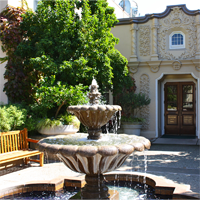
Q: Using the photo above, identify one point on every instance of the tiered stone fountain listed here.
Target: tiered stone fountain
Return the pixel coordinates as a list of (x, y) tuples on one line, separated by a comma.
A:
[(96, 153)]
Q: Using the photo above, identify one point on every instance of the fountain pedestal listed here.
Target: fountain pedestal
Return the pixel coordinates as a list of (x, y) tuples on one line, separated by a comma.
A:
[(96, 189), (114, 195)]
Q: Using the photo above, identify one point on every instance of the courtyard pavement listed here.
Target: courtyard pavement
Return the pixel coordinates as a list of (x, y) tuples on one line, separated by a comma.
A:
[(178, 163)]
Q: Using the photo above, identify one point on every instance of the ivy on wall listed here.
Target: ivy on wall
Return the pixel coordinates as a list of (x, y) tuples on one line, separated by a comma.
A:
[(18, 77)]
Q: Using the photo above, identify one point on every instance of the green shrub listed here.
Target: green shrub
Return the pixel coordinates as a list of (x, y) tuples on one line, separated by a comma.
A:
[(47, 123), (131, 119), (70, 120), (62, 120), (12, 117), (4, 120)]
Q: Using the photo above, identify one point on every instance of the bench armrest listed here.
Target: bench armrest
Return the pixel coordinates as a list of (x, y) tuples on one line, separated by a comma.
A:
[(32, 140)]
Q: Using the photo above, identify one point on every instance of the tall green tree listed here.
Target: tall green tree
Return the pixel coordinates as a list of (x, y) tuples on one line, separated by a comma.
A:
[(71, 41)]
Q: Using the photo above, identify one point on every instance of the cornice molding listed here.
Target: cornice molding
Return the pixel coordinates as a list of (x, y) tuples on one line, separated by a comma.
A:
[(165, 63), (147, 17)]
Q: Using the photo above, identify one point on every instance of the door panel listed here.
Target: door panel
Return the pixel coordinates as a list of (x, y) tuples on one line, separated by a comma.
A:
[(180, 108)]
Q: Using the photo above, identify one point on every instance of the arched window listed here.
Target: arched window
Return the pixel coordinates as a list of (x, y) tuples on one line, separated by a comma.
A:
[(177, 40)]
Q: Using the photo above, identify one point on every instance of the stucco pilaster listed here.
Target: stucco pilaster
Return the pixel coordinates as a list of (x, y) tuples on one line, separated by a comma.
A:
[(154, 29), (198, 36), (134, 30)]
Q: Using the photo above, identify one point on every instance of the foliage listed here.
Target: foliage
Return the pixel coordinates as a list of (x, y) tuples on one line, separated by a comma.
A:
[(132, 119), (70, 120), (73, 48), (50, 95), (63, 120), (12, 117), (121, 76), (131, 102), (4, 122), (34, 114), (48, 123), (60, 51), (18, 76)]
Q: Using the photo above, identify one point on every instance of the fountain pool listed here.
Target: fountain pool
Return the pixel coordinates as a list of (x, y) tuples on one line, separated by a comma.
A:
[(94, 153)]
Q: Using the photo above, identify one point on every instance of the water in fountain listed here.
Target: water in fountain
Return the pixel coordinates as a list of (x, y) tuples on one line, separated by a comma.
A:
[(127, 191), (94, 154)]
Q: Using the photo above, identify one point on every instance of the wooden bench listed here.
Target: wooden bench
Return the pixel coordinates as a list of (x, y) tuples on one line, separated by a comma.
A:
[(14, 145)]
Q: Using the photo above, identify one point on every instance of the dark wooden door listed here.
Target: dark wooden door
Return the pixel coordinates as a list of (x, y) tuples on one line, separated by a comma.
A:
[(180, 108)]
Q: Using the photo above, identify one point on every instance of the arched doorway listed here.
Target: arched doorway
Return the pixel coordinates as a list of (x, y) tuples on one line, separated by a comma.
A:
[(177, 100), (180, 108)]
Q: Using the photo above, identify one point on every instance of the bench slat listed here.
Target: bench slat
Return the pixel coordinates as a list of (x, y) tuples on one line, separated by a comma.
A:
[(1, 148), (17, 155)]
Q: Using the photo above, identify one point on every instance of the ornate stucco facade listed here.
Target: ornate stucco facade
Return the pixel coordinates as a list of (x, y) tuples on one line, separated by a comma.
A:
[(147, 44)]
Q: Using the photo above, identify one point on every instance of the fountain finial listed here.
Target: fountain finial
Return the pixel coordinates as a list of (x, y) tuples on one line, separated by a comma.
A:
[(94, 95)]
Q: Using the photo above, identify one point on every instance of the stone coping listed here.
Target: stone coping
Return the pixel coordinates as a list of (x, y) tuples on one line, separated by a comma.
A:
[(162, 186), (94, 108)]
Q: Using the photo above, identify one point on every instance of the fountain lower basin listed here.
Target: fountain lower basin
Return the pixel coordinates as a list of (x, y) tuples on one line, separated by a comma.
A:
[(93, 157)]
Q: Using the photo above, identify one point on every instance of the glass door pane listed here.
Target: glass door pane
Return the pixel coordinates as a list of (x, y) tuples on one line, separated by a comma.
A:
[(172, 98), (187, 92)]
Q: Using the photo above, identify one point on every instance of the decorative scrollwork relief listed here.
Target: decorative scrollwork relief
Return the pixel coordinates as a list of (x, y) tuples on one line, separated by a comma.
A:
[(134, 39), (154, 40), (133, 68), (177, 19), (176, 65), (155, 68), (197, 68), (144, 89), (198, 36), (144, 40)]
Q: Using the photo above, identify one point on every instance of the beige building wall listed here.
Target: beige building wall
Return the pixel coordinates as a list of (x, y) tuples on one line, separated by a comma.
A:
[(3, 4), (145, 42), (3, 97), (124, 34)]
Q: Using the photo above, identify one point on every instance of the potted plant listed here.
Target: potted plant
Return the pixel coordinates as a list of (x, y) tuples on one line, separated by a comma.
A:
[(131, 126), (132, 103), (66, 124), (53, 99)]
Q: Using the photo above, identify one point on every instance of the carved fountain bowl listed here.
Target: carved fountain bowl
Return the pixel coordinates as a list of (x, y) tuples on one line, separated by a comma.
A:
[(95, 116), (93, 157)]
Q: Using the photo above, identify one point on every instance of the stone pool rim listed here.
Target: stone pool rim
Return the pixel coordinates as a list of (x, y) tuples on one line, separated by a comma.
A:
[(162, 186)]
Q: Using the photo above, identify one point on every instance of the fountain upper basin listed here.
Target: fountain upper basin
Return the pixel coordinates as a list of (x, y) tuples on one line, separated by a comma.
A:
[(94, 117)]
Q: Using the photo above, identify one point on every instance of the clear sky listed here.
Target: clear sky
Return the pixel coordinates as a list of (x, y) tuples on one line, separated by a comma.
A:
[(158, 6)]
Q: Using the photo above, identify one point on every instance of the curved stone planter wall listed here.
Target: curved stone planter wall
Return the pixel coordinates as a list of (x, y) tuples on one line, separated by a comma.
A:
[(130, 128)]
